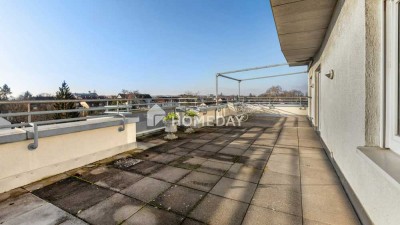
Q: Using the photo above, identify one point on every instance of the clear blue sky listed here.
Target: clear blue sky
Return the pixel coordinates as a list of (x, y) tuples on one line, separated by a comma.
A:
[(154, 46)]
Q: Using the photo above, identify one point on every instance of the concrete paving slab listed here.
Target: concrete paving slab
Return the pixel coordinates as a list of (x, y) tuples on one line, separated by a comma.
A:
[(165, 158), (256, 154), (214, 167), (73, 195), (113, 210), (239, 171), (271, 177), (238, 145), (145, 167), (215, 210), (15, 207), (192, 145), (286, 150), (170, 174), (211, 148), (47, 181), (285, 168), (310, 143), (272, 136), (288, 159), (200, 181), (224, 158), (314, 176), (188, 162), (264, 142), (234, 189), (146, 189), (189, 221), (45, 214), (254, 147), (315, 163), (262, 216), (222, 141), (201, 154), (251, 134), (179, 151), (327, 204), (152, 216), (232, 150), (242, 140), (255, 163), (61, 189), (179, 199), (282, 198), (111, 178), (146, 155)]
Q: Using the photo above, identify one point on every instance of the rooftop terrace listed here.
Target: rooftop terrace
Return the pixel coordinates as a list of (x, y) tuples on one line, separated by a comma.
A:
[(272, 170)]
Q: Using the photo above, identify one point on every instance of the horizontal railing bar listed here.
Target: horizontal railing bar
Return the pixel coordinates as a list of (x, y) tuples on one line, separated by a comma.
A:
[(230, 78), (255, 68), (278, 75), (89, 100), (55, 121)]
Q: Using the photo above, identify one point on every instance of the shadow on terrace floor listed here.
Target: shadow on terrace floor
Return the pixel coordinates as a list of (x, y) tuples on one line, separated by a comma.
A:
[(272, 170)]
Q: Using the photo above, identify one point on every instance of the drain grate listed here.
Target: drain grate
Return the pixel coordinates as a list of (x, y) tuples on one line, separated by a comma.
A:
[(126, 162)]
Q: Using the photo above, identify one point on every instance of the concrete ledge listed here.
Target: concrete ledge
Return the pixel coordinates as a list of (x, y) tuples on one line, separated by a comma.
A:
[(12, 135), (383, 159), (15, 135)]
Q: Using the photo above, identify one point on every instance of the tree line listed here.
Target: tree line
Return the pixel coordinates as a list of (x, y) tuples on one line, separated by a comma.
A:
[(63, 93)]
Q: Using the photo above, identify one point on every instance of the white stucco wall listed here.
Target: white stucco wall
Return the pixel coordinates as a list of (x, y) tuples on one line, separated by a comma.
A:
[(56, 154), (343, 106)]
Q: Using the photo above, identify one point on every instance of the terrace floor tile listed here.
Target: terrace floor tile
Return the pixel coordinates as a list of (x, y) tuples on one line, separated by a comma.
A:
[(170, 174), (111, 178), (215, 210), (234, 189), (145, 167), (283, 198), (146, 189), (232, 151), (188, 162), (179, 199), (239, 171), (179, 151), (152, 216), (200, 181), (81, 196), (211, 148), (214, 167), (113, 210), (165, 158), (262, 216)]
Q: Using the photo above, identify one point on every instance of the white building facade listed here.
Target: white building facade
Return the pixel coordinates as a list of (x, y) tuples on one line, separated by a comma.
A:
[(352, 50)]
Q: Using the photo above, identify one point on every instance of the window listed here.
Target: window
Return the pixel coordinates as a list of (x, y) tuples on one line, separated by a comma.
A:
[(392, 75)]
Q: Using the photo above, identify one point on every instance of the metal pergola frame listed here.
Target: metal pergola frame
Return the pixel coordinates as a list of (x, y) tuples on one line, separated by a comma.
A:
[(223, 74)]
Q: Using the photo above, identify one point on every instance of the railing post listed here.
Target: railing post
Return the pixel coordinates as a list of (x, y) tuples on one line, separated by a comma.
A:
[(35, 143), (29, 116)]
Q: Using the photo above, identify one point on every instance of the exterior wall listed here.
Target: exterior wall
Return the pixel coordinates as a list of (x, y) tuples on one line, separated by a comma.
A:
[(56, 154), (350, 104)]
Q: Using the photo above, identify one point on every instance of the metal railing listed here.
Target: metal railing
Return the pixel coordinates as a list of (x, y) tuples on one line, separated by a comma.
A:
[(118, 107), (301, 101)]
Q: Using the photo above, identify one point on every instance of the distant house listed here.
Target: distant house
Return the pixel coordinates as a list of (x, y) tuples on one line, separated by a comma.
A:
[(126, 96), (137, 98), (86, 95)]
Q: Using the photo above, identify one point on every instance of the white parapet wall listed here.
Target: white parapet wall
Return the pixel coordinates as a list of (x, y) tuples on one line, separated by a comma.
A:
[(61, 147)]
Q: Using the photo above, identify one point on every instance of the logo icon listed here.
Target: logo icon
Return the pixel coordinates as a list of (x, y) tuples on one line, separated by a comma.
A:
[(155, 115)]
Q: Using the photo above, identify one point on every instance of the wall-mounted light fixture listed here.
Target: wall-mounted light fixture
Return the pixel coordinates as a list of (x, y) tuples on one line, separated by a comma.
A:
[(330, 75)]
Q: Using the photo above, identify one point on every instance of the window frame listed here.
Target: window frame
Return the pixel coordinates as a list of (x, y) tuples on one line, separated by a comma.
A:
[(392, 134)]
